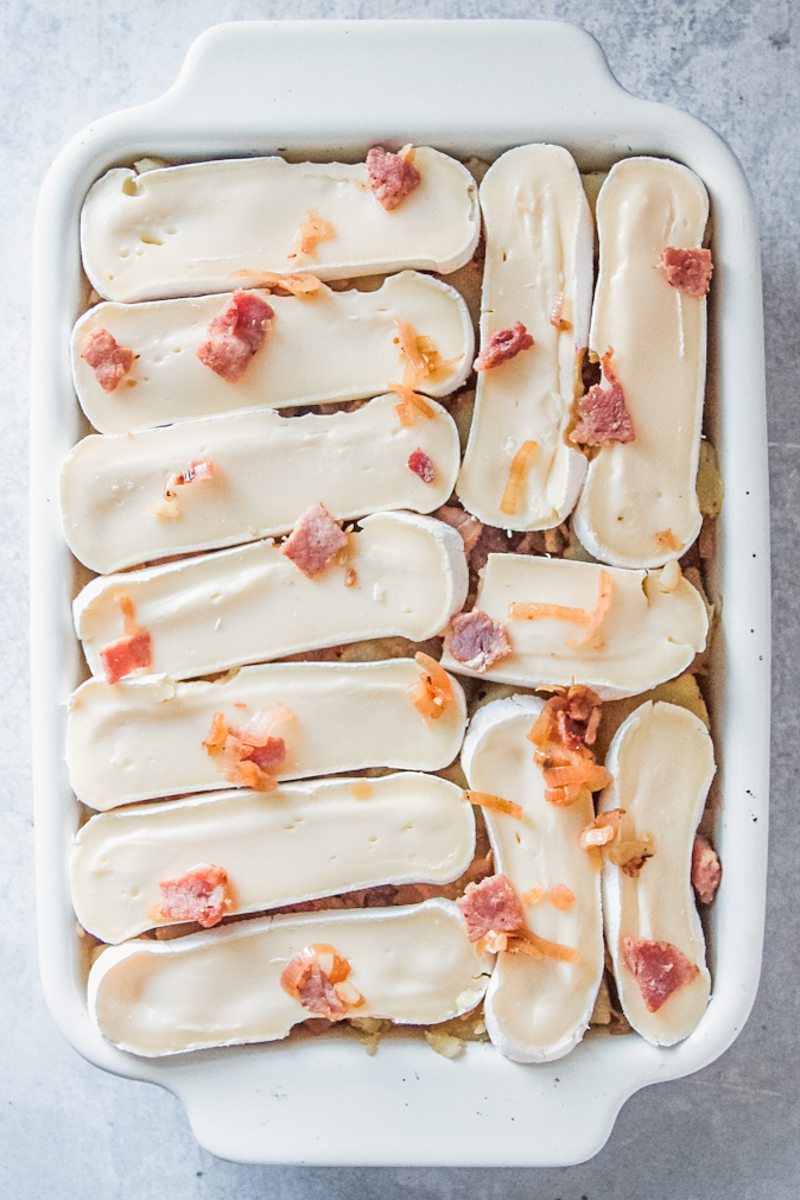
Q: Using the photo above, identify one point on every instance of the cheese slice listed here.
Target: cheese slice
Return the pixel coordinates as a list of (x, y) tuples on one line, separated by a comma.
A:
[(144, 739), (412, 965), (536, 1010), (206, 226), (662, 762), (401, 575), (267, 470), (639, 505), (300, 842), (655, 624), (538, 269), (326, 348)]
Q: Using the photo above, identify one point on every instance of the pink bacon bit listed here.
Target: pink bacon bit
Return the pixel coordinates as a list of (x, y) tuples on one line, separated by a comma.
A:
[(109, 361), (468, 526), (130, 653), (491, 906), (503, 345), (200, 895), (318, 978), (250, 755), (706, 869), (477, 640), (687, 270), (235, 335), (659, 969), (392, 177), (422, 465), (603, 417), (314, 541)]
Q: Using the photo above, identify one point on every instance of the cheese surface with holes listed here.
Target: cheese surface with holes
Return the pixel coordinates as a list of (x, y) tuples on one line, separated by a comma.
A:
[(266, 470), (144, 739), (300, 842), (412, 965), (208, 226), (619, 632), (536, 1009), (538, 272), (325, 348), (639, 506), (662, 762), (400, 575)]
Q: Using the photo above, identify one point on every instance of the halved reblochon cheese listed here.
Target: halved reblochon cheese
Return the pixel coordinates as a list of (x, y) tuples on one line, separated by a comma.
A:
[(326, 347), (299, 842), (411, 965), (400, 575), (638, 507), (519, 471), (662, 762), (619, 632), (141, 740), (536, 1009), (265, 471), (207, 226)]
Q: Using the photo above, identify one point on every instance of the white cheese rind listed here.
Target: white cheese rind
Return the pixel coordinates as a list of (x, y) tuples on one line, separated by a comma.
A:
[(300, 842), (144, 739), (328, 348), (179, 231), (413, 966), (536, 1010), (268, 469), (655, 625), (538, 246), (636, 491), (662, 763), (253, 604)]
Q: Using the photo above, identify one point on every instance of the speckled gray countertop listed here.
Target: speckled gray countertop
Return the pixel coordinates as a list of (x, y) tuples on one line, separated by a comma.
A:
[(732, 1131)]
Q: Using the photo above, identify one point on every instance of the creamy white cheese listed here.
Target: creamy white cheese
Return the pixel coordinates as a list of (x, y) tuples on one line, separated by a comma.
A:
[(253, 604), (662, 762), (536, 1010), (639, 507), (655, 624), (144, 739), (326, 348), (538, 268), (267, 470), (412, 965), (197, 228), (301, 842)]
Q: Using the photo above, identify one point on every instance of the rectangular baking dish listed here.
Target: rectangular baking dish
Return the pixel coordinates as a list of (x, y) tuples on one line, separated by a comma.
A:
[(329, 90)]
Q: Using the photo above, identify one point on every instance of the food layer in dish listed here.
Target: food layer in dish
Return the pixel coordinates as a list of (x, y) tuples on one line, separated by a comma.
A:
[(145, 739), (519, 470), (639, 507), (214, 226)]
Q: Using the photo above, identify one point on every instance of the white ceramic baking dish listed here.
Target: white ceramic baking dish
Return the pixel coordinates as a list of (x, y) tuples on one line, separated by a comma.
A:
[(330, 90)]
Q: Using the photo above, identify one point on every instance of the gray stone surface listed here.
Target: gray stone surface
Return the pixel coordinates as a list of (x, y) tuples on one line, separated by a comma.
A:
[(732, 1131)]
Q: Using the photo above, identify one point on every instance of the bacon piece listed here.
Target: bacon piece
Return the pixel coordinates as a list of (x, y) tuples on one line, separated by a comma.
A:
[(250, 755), (659, 968), (603, 417), (503, 345), (569, 718), (127, 655), (706, 869), (422, 465), (392, 177), (687, 270), (434, 691), (494, 804), (468, 526), (477, 640), (201, 895), (235, 335), (314, 541), (109, 361), (317, 978), (517, 472), (491, 906)]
